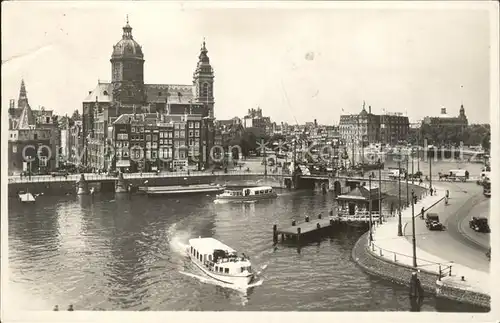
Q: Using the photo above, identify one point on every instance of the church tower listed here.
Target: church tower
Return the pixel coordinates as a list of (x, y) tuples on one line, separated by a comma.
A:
[(462, 115), (203, 81), (127, 70), (22, 102)]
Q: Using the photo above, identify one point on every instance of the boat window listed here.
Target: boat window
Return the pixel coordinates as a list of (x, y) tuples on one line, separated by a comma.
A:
[(242, 269), (216, 268), (210, 257), (256, 192), (226, 270), (220, 269)]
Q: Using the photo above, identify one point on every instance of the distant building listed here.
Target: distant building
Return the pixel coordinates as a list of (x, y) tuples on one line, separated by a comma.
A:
[(34, 137), (127, 94), (254, 119), (229, 129), (367, 127), (448, 120)]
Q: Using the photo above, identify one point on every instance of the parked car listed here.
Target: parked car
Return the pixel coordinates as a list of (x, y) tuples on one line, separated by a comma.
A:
[(432, 222), (479, 224)]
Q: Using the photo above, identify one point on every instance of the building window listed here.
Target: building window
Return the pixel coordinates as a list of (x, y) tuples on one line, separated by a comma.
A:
[(133, 129), (14, 149), (182, 134), (160, 94), (197, 125), (177, 134), (191, 133), (148, 137), (155, 137), (161, 135), (190, 124), (197, 133)]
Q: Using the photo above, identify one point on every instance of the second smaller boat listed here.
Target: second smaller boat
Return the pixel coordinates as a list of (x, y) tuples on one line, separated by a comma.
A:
[(248, 194)]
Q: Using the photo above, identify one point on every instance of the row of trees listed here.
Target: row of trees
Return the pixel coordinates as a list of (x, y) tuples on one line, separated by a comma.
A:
[(472, 135)]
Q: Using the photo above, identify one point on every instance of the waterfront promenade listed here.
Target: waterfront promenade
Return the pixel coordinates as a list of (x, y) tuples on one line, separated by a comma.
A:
[(436, 253)]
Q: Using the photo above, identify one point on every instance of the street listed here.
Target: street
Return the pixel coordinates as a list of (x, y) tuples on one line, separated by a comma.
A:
[(451, 244)]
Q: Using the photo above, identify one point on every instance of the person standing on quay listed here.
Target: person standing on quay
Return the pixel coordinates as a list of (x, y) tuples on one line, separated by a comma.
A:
[(70, 308), (431, 190)]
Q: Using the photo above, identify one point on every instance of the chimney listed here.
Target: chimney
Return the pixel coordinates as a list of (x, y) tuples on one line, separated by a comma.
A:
[(443, 110), (370, 109)]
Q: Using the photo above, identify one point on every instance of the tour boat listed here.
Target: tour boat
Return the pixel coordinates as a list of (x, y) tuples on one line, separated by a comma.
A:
[(248, 194), (220, 262), (186, 189), (26, 197)]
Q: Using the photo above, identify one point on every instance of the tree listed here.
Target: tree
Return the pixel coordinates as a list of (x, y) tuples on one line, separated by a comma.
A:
[(76, 115), (486, 142)]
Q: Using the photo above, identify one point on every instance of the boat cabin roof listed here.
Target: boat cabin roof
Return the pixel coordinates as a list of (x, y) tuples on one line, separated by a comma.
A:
[(259, 188), (208, 245)]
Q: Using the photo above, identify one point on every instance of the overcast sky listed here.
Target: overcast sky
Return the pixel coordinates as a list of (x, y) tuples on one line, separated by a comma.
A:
[(323, 60)]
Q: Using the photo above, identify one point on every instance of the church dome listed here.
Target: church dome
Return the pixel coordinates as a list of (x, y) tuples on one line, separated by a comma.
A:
[(127, 47)]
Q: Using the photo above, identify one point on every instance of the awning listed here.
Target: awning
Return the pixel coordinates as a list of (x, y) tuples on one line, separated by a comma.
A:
[(123, 163)]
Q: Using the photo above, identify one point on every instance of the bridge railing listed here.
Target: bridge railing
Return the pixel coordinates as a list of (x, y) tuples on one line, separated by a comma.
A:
[(101, 177)]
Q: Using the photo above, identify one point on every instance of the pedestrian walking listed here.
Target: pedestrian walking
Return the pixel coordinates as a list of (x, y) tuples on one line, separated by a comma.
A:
[(447, 194), (431, 190), (70, 308), (56, 308), (422, 213)]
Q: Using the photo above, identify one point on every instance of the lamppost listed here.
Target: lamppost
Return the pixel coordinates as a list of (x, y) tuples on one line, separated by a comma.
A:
[(412, 174), (413, 229), (400, 227), (370, 205), (407, 188), (430, 172), (379, 191)]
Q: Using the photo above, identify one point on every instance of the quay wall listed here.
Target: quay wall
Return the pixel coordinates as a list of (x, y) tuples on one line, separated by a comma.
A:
[(461, 295), (395, 273)]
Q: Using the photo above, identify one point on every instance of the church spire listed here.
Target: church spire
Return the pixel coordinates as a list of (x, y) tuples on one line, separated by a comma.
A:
[(203, 57), (23, 97), (127, 31)]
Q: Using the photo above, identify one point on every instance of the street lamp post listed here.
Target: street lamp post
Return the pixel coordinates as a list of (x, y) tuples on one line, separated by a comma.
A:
[(380, 191), (370, 205), (400, 228), (407, 189), (430, 172), (413, 229), (412, 174)]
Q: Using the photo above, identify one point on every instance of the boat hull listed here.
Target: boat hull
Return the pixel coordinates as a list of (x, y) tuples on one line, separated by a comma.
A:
[(233, 280)]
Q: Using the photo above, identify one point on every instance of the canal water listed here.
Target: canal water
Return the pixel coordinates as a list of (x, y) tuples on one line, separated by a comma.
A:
[(112, 252)]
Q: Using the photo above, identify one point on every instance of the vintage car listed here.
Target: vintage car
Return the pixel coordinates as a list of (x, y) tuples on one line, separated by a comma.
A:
[(479, 224), (432, 222)]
